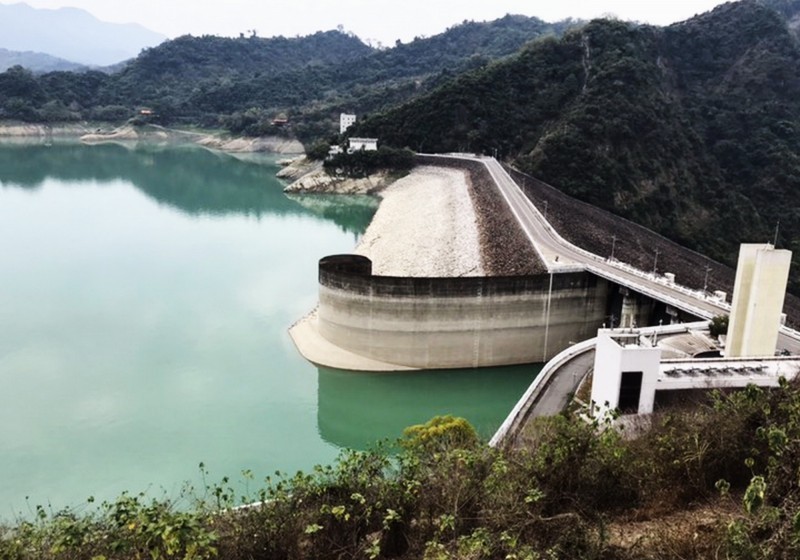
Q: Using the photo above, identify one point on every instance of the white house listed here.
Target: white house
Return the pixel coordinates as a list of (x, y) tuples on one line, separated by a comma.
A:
[(366, 144)]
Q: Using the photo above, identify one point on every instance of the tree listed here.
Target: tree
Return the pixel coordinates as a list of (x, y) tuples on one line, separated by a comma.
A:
[(718, 325)]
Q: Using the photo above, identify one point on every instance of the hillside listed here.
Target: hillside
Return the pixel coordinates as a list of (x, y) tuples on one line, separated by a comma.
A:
[(243, 83), (36, 62), (692, 130), (72, 34)]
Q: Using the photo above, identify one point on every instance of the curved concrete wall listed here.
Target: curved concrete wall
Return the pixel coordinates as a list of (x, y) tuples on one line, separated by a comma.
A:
[(432, 323)]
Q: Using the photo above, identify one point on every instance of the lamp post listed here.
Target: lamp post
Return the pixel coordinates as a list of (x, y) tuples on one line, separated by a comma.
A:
[(655, 262), (705, 282)]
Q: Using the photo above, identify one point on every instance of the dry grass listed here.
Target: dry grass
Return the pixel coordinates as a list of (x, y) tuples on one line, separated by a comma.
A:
[(697, 532)]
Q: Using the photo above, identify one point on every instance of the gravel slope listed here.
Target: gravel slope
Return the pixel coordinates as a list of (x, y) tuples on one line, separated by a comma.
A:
[(425, 227)]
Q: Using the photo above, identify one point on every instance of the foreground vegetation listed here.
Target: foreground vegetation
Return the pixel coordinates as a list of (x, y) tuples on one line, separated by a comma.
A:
[(715, 481)]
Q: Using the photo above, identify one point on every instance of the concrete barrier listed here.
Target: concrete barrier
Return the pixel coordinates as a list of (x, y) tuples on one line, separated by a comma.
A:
[(518, 414)]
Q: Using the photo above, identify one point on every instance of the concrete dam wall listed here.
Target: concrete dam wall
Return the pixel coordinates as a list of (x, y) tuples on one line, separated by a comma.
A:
[(432, 323)]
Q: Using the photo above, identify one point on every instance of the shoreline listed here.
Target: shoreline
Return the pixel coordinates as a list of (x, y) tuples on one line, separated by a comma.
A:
[(100, 133)]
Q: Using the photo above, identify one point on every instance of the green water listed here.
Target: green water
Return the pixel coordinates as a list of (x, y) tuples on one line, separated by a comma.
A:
[(145, 296)]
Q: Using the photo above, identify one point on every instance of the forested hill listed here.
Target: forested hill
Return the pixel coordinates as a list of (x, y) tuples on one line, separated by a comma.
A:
[(242, 83), (188, 60), (36, 62), (692, 129)]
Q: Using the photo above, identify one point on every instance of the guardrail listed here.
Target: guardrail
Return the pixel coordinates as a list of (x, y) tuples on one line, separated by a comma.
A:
[(661, 280), (534, 391), (790, 332), (661, 296)]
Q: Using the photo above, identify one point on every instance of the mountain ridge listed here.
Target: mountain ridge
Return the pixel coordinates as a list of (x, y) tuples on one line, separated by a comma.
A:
[(36, 62), (72, 34)]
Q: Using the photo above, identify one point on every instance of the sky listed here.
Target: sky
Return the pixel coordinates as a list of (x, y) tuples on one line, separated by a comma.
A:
[(374, 21)]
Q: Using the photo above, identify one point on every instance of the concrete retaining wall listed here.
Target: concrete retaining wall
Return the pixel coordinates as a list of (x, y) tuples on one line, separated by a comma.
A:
[(433, 323)]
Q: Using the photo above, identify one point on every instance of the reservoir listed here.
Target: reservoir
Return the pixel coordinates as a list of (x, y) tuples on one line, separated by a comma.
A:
[(145, 297)]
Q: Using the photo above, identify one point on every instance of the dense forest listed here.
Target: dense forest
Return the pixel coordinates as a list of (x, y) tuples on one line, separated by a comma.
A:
[(692, 130), (244, 83)]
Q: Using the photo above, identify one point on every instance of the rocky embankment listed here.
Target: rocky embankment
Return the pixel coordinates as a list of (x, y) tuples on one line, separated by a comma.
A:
[(505, 249), (319, 182), (32, 130), (425, 225), (310, 178), (155, 133), (135, 133), (443, 207), (272, 144)]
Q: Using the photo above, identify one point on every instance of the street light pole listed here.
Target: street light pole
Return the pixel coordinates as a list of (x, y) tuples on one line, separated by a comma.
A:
[(705, 282), (655, 262)]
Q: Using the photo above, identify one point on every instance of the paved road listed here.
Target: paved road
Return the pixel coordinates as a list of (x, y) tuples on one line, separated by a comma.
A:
[(558, 393), (561, 256), (550, 245)]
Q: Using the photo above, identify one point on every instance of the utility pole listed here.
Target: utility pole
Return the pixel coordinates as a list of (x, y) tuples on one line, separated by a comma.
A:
[(655, 262), (775, 242)]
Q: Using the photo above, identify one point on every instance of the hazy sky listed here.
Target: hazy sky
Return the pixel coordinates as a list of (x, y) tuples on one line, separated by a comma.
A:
[(378, 20)]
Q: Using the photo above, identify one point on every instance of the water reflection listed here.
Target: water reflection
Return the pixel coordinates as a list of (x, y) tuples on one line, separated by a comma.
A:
[(339, 208), (194, 180), (356, 409)]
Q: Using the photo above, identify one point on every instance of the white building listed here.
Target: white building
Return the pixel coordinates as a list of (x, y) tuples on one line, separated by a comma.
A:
[(633, 372), (758, 294), (345, 122), (366, 144), (625, 373)]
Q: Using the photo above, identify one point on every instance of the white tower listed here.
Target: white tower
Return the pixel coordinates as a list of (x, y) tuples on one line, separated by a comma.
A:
[(345, 122), (761, 275)]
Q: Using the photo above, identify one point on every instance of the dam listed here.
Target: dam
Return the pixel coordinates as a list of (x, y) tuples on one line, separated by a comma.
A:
[(433, 323), (375, 322)]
